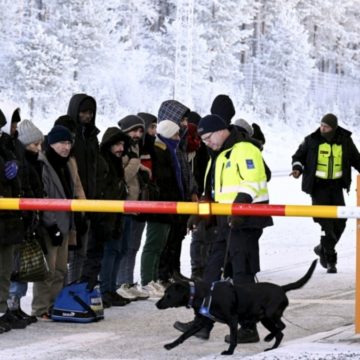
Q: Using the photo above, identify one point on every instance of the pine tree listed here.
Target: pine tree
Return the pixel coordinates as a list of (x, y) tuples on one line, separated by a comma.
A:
[(283, 65)]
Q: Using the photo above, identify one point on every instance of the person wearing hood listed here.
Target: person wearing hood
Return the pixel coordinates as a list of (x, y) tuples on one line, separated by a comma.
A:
[(59, 183), (172, 110), (12, 229), (223, 106), (325, 159), (82, 109), (113, 145)]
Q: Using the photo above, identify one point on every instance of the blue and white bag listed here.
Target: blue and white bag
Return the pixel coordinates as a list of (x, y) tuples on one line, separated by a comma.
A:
[(76, 303)]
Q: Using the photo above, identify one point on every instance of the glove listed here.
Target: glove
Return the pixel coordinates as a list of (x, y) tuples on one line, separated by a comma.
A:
[(193, 222), (11, 169), (55, 235), (236, 222)]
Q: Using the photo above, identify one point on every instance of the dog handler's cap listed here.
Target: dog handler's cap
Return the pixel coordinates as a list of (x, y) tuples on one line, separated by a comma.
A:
[(211, 123)]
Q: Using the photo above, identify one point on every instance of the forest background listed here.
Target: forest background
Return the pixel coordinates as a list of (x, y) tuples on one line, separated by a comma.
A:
[(284, 63)]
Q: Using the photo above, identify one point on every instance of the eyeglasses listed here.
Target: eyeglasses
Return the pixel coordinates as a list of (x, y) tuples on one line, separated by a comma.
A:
[(207, 138)]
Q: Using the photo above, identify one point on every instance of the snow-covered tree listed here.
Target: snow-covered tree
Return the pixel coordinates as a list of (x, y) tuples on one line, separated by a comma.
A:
[(283, 65)]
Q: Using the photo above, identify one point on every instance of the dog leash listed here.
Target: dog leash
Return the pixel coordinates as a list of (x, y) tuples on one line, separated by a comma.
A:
[(222, 277)]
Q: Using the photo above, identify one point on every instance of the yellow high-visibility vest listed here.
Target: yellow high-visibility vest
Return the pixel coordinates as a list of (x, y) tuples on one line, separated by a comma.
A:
[(239, 169), (329, 161)]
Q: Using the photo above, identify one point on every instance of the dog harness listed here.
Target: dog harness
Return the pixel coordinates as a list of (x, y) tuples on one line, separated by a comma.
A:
[(206, 304)]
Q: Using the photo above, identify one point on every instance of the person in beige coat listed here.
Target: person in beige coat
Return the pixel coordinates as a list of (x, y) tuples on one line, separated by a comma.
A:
[(60, 183)]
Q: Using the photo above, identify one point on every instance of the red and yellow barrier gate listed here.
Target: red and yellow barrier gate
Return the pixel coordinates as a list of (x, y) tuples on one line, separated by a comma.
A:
[(168, 207), (201, 209)]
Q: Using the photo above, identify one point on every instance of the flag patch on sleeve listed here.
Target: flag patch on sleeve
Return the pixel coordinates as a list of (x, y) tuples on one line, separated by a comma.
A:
[(250, 164)]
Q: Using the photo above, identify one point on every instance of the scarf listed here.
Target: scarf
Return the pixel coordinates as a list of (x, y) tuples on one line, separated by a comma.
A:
[(172, 145)]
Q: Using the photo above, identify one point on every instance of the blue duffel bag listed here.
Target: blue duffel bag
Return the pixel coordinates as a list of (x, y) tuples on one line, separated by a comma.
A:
[(76, 303)]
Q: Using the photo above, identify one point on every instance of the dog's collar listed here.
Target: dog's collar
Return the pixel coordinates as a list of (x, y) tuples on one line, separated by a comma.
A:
[(192, 294)]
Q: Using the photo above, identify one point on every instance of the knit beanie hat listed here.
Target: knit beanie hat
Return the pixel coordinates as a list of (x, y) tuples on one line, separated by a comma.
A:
[(59, 133), (28, 133), (211, 123), (148, 119), (244, 125), (194, 118), (167, 128), (67, 121), (131, 122), (331, 120), (224, 107)]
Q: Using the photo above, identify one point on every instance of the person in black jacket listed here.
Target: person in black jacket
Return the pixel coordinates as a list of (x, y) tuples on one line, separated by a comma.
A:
[(11, 225), (325, 158), (82, 109), (113, 187), (31, 138)]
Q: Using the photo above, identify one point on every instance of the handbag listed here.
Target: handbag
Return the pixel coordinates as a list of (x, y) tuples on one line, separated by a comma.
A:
[(77, 303), (30, 264)]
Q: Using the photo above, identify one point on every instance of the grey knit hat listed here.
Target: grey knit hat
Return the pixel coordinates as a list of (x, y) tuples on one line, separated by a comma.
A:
[(29, 133), (244, 125), (131, 122)]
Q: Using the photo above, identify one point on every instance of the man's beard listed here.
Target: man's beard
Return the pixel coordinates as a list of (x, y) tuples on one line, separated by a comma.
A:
[(135, 140)]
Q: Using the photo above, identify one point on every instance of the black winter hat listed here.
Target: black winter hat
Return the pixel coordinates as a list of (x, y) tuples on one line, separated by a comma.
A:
[(224, 107), (211, 123), (66, 121), (148, 119), (59, 133), (111, 136), (331, 120), (16, 118), (194, 118), (87, 104), (131, 122)]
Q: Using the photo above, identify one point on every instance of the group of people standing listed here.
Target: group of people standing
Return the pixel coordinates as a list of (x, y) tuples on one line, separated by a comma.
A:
[(174, 156)]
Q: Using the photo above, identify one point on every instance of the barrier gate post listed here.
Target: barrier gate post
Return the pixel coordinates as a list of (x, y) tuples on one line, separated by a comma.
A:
[(357, 265)]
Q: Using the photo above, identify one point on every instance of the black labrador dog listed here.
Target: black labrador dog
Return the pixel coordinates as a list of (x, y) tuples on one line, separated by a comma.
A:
[(232, 304)]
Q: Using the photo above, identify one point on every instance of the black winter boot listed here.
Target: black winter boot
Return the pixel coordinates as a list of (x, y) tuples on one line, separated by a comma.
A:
[(319, 251), (331, 263), (203, 333), (246, 335)]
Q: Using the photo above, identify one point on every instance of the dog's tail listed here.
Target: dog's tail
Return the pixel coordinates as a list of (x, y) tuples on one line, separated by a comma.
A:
[(301, 282)]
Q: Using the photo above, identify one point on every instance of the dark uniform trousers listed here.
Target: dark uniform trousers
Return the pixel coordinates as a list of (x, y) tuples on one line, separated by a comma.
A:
[(329, 192)]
